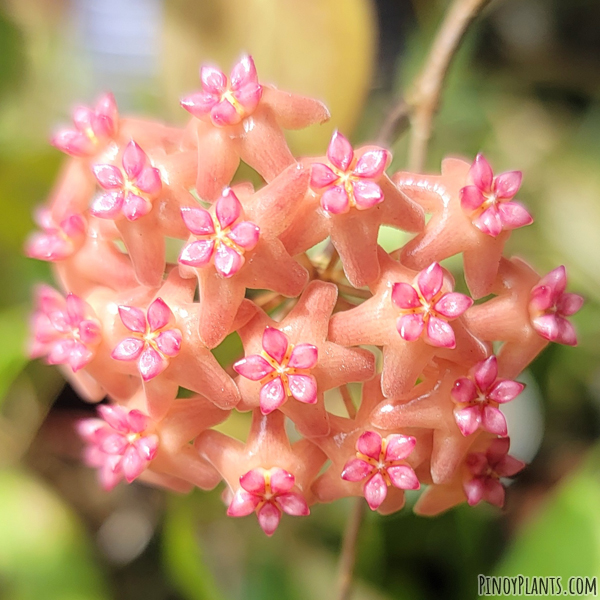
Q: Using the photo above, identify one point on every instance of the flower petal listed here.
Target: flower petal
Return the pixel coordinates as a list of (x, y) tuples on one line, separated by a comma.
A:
[(147, 446), (399, 447), (375, 491), (115, 443), (213, 80), (486, 373), (463, 391), (108, 205), (468, 419), (569, 304), (243, 73), (197, 254), (546, 326), (514, 215), (566, 333), (335, 200), (430, 281), (403, 477), (272, 396), (151, 363), (227, 261), (453, 304), (159, 314), (282, 481), (494, 492), (253, 367), (505, 391), (372, 164), (440, 333), (115, 416), (304, 356), (369, 444), (224, 113), (321, 176), (198, 220), (356, 470), (89, 331), (254, 481), (274, 343), (366, 194), (303, 388), (293, 504), (128, 349), (405, 296), (242, 504), (149, 181), (169, 342), (133, 318), (134, 160), (199, 103), (340, 151), (132, 464), (268, 518), (108, 176), (410, 327), (506, 185), (471, 198), (474, 490), (509, 466), (135, 207), (489, 222), (493, 421), (481, 173), (137, 421), (245, 234), (228, 208)]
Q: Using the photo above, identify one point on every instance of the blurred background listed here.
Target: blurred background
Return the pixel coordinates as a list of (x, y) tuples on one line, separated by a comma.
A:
[(524, 89)]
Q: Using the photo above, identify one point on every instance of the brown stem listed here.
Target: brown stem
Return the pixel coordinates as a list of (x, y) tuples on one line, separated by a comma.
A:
[(422, 101), (348, 555), (347, 398)]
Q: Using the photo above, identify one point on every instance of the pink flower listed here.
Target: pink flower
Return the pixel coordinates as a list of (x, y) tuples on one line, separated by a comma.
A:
[(223, 102), (425, 309), (93, 128), (65, 330), (120, 445), (348, 181), (489, 200), (478, 397), (549, 306), (268, 493), (128, 191), (222, 240), (282, 369), (486, 469), (57, 241), (382, 463), (153, 342)]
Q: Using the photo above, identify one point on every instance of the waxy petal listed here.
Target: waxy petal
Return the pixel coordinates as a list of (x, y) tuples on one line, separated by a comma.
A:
[(253, 367), (243, 73), (227, 261), (494, 492), (505, 391), (468, 419), (108, 176), (369, 444), (509, 466), (169, 342), (471, 198), (197, 254), (108, 205), (486, 373), (335, 200), (245, 235), (282, 481), (268, 518), (254, 481), (134, 160), (546, 326), (73, 143), (137, 421), (569, 304), (405, 296), (463, 391), (481, 174), (272, 396), (147, 447), (135, 207), (304, 356), (89, 331), (159, 314), (248, 96), (372, 164), (506, 185), (114, 443), (151, 363), (474, 490), (566, 332), (224, 113), (132, 464), (115, 416), (293, 504), (149, 181), (321, 176), (198, 220), (430, 281), (128, 349), (340, 151), (514, 215), (213, 80), (133, 318), (199, 103), (356, 470), (303, 388), (403, 477), (453, 305), (243, 504), (410, 327), (399, 447), (489, 222), (493, 421), (440, 333), (375, 491), (274, 343), (228, 208), (366, 194)]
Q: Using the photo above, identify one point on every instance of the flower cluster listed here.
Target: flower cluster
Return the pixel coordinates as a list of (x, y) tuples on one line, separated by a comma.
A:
[(133, 330)]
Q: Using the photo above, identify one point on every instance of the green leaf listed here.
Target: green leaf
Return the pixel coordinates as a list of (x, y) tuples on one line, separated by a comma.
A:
[(44, 551), (13, 331)]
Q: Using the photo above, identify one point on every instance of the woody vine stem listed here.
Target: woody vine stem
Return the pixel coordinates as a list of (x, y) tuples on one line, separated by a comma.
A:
[(417, 110)]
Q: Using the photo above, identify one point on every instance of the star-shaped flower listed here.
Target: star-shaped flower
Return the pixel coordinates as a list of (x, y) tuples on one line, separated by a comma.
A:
[(235, 246), (488, 201), (288, 365), (350, 198), (478, 396), (378, 322), (265, 475), (527, 313), (241, 118), (56, 241), (450, 229), (477, 479)]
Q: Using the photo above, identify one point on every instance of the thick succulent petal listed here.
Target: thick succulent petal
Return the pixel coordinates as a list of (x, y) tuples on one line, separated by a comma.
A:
[(566, 332), (245, 235), (149, 181), (254, 481), (115, 416), (509, 466), (304, 356), (134, 160), (321, 176), (151, 363), (108, 176), (494, 492), (547, 326), (403, 477), (224, 113), (115, 443), (133, 318), (440, 333), (405, 296), (486, 373), (73, 142), (243, 73), (199, 103), (372, 164), (253, 367), (272, 396), (514, 215), (356, 470), (147, 446), (128, 349), (137, 421), (481, 174), (159, 314), (556, 281), (213, 80), (493, 421), (107, 205), (228, 208), (248, 96), (569, 304), (335, 200), (303, 388), (293, 504), (369, 444), (505, 391), (79, 357), (471, 198), (132, 464), (399, 447), (274, 343), (453, 304), (489, 222), (340, 151), (242, 504), (468, 419), (375, 491), (430, 281), (506, 185), (135, 207), (463, 391), (198, 220), (169, 342), (89, 331), (366, 194), (268, 518), (282, 481), (474, 490), (227, 261), (410, 327), (197, 254)]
